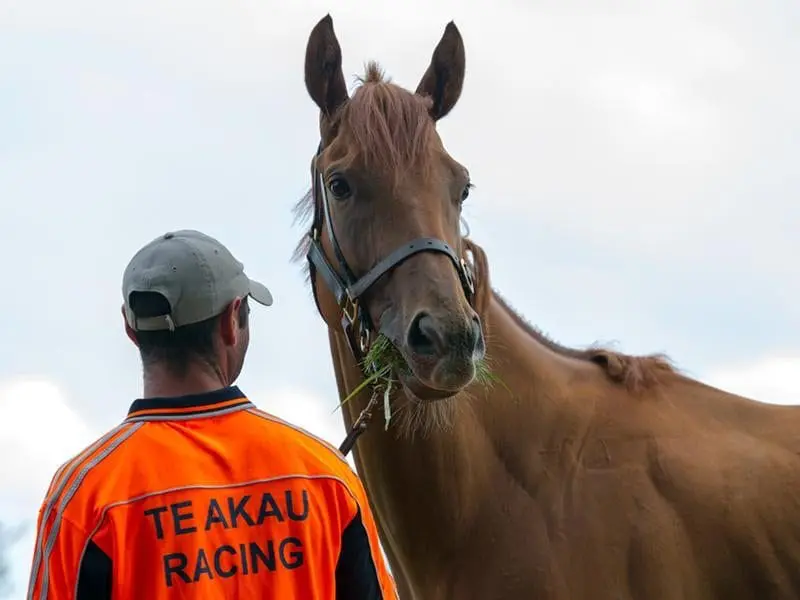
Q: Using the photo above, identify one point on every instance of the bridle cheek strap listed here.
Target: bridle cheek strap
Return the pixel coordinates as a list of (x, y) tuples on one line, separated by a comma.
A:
[(348, 290)]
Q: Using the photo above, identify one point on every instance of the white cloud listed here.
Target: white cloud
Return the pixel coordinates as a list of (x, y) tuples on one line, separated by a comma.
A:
[(38, 432), (37, 426), (775, 380)]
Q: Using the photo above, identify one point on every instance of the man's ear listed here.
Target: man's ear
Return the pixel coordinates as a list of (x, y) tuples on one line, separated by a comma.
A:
[(128, 330), (444, 78), (230, 329), (323, 71)]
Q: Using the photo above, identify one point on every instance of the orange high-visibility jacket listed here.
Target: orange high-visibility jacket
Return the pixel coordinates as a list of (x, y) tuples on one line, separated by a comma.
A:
[(205, 496)]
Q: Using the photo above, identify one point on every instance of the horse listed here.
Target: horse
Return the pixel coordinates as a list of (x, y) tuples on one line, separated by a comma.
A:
[(577, 473)]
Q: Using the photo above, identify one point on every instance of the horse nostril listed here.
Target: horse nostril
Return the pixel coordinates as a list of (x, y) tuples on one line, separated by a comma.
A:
[(423, 337), (476, 331), (476, 338)]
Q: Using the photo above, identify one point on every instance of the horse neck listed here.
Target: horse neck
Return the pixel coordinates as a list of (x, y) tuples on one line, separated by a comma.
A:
[(435, 484)]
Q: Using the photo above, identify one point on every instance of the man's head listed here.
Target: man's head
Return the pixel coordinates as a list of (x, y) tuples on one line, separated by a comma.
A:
[(186, 305)]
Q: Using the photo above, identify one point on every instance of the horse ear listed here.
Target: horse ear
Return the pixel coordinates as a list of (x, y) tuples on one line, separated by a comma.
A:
[(324, 76), (444, 78)]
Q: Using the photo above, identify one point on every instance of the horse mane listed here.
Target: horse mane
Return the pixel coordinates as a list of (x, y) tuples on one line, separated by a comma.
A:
[(390, 130), (302, 213), (635, 373)]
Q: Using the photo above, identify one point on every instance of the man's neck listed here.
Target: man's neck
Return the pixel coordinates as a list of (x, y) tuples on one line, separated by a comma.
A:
[(160, 383)]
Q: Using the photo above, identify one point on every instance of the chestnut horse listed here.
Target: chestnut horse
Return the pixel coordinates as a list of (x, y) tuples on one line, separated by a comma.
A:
[(588, 474)]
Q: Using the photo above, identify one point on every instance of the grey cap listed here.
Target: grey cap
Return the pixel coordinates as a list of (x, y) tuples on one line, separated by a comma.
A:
[(195, 273)]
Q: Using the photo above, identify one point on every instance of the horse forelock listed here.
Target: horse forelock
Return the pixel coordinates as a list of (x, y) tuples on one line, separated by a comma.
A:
[(387, 128)]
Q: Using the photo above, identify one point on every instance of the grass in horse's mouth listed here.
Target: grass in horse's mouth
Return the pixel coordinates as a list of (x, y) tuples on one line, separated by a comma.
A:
[(382, 364)]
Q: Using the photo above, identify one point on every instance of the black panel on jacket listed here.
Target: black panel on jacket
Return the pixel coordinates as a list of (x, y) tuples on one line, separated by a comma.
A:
[(356, 575), (94, 577)]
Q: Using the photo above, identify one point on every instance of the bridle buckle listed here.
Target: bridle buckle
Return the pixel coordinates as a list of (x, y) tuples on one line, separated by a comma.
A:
[(469, 280), (350, 309), (363, 338)]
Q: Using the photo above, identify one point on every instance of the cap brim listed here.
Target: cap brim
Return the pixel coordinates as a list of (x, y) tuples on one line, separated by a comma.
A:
[(260, 293)]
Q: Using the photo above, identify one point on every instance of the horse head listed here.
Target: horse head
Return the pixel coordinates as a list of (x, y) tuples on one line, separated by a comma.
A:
[(385, 249)]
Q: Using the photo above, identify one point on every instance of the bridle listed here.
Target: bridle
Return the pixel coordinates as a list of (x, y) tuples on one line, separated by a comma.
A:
[(349, 289)]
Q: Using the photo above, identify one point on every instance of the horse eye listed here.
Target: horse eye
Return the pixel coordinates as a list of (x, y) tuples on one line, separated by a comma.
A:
[(339, 187), (465, 192)]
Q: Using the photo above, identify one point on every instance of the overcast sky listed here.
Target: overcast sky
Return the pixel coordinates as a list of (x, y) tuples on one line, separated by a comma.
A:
[(635, 168)]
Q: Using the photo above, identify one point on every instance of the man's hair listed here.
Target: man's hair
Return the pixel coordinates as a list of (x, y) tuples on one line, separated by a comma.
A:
[(176, 350)]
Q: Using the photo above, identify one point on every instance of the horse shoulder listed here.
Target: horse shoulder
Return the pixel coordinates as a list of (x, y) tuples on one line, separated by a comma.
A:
[(737, 496)]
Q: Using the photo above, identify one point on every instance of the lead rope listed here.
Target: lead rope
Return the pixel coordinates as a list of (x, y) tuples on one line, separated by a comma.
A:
[(362, 422), (359, 427)]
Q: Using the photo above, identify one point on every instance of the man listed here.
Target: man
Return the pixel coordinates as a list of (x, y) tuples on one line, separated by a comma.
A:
[(197, 493)]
